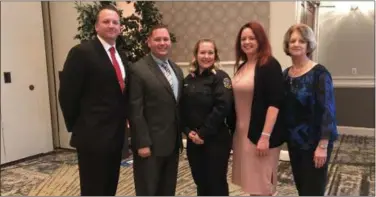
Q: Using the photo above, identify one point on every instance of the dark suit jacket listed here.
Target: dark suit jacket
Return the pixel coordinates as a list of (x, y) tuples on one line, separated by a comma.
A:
[(92, 103), (154, 111)]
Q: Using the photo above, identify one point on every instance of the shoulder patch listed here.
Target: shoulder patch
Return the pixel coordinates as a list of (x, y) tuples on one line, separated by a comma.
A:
[(227, 83)]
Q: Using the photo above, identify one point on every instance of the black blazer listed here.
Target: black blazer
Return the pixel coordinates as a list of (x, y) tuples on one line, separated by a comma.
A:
[(154, 111), (268, 91), (91, 100)]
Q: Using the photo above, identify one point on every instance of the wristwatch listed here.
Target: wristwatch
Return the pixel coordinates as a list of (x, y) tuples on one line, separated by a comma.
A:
[(323, 146)]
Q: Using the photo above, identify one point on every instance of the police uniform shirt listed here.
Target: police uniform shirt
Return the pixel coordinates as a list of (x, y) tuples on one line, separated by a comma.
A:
[(207, 99)]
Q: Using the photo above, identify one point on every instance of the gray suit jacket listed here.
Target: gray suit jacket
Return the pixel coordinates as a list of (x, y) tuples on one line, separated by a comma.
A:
[(154, 111)]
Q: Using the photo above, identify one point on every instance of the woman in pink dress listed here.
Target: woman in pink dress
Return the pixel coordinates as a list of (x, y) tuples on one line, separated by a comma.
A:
[(258, 93)]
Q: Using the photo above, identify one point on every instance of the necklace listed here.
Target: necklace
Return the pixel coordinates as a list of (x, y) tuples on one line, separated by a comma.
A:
[(297, 71)]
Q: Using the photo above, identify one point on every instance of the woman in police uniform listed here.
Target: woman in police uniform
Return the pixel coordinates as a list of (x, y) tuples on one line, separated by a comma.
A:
[(207, 99)]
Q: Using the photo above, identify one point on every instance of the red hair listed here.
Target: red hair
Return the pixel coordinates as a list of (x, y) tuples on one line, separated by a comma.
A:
[(264, 50)]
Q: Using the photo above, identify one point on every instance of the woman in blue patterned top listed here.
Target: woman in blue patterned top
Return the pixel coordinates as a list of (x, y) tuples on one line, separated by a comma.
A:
[(309, 112)]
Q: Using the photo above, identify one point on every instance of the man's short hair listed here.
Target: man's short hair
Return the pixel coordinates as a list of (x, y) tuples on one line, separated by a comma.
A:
[(106, 7), (158, 26)]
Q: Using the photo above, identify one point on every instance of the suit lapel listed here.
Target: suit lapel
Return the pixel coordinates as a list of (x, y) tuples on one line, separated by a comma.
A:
[(102, 53), (180, 78), (159, 74), (106, 59)]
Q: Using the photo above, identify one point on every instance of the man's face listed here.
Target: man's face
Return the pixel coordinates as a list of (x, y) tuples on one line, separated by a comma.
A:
[(159, 43), (108, 25)]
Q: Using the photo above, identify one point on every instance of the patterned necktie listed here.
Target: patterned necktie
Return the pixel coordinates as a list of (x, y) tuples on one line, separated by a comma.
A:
[(167, 73), (117, 68)]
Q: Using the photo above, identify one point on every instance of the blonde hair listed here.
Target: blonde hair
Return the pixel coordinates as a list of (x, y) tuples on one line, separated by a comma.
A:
[(193, 66), (307, 34)]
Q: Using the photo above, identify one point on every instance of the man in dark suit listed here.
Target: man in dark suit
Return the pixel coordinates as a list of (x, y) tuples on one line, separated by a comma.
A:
[(92, 96), (155, 86)]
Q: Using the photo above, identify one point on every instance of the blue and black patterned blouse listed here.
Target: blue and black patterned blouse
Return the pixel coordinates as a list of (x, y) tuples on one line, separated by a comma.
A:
[(309, 108)]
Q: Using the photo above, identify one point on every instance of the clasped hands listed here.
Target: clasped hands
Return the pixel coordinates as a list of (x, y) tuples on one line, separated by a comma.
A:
[(193, 135)]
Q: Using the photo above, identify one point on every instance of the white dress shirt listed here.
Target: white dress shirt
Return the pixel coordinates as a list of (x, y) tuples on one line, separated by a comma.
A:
[(107, 47)]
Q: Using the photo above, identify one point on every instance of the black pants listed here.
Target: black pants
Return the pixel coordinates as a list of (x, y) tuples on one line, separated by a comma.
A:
[(156, 176), (209, 163), (99, 172), (309, 181)]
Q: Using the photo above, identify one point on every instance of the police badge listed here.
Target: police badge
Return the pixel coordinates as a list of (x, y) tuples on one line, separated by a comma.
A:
[(227, 83)]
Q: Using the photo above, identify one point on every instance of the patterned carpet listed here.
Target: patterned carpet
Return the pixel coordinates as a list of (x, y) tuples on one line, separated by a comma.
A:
[(351, 173)]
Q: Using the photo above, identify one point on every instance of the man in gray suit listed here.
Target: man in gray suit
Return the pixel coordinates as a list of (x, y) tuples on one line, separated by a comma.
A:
[(155, 85)]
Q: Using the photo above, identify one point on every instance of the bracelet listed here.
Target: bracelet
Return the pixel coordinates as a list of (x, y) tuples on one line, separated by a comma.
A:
[(323, 146), (266, 134)]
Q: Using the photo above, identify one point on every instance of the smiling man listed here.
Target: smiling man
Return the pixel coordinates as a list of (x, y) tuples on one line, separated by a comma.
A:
[(155, 86), (92, 97)]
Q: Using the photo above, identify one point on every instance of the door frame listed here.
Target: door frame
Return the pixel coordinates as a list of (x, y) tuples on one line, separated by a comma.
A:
[(1, 118), (52, 90)]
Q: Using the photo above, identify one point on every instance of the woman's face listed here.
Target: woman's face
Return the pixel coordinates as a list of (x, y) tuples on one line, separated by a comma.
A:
[(248, 42), (297, 45), (205, 55)]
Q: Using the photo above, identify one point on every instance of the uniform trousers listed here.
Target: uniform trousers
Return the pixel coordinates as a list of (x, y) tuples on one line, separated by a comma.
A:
[(209, 163)]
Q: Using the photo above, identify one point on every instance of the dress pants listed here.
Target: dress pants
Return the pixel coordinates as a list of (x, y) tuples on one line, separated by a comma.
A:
[(309, 181), (155, 175), (209, 164), (99, 172)]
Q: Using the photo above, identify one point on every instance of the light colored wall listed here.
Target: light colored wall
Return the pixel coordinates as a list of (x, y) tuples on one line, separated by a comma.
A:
[(346, 39), (63, 29), (282, 16), (190, 21), (127, 8), (219, 21)]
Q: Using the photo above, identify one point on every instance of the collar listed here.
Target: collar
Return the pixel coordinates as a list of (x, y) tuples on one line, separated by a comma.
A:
[(206, 72), (106, 46), (157, 60)]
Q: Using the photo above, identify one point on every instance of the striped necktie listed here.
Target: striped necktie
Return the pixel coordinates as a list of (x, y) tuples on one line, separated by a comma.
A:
[(167, 73)]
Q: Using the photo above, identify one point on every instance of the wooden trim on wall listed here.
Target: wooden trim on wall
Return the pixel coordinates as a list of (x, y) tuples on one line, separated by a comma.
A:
[(50, 73)]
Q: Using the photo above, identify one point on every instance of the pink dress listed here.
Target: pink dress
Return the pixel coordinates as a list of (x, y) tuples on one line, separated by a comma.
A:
[(255, 175)]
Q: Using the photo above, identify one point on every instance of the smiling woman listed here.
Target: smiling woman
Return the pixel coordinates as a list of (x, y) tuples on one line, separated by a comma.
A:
[(255, 119), (205, 56), (206, 102), (308, 111)]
